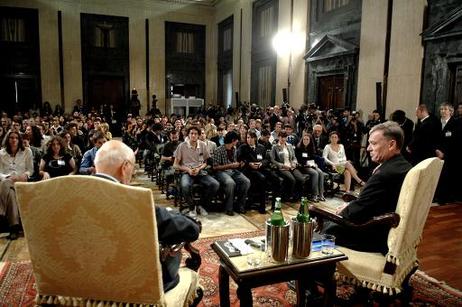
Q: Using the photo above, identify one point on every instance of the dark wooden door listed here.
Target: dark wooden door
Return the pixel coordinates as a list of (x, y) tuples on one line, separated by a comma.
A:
[(19, 94), (106, 90), (331, 92)]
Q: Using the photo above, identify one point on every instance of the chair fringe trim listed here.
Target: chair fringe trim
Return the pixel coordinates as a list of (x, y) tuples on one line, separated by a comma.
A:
[(374, 286), (81, 302), (396, 259)]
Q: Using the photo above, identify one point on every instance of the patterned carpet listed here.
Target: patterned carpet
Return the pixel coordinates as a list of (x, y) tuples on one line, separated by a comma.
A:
[(17, 287)]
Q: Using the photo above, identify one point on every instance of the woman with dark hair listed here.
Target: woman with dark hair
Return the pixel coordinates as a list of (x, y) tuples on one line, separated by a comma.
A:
[(242, 135), (58, 110), (35, 136), (305, 154), (335, 156), (15, 159), (283, 157), (46, 109), (56, 162), (16, 164), (71, 148)]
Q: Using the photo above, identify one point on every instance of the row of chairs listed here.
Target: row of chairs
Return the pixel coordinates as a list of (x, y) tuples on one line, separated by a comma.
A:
[(168, 181)]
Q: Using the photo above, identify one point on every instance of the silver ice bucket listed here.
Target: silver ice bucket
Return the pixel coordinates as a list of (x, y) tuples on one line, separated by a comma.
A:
[(302, 237), (277, 241)]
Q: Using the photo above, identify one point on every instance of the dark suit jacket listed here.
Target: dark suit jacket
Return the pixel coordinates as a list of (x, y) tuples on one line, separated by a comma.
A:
[(379, 196), (247, 154), (320, 143), (449, 142), (172, 228), (425, 139)]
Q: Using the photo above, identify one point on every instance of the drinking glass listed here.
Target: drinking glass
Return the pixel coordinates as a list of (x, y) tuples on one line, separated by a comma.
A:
[(254, 259), (328, 244)]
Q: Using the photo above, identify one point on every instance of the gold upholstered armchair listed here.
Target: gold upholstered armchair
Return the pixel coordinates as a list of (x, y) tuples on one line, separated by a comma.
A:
[(388, 274), (94, 241)]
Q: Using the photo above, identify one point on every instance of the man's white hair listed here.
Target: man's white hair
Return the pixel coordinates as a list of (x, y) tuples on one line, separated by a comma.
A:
[(112, 154), (317, 126)]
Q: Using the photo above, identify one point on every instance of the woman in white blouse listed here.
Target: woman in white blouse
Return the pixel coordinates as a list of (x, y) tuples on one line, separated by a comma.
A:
[(334, 155), (16, 164)]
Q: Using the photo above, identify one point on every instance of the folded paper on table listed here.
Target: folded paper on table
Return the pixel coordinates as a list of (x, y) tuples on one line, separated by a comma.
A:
[(235, 247), (243, 247)]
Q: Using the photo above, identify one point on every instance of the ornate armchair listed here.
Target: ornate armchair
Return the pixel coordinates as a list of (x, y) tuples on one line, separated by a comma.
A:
[(388, 274), (94, 241)]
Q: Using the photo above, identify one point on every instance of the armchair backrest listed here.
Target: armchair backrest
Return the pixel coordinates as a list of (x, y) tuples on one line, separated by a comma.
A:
[(92, 238), (414, 203)]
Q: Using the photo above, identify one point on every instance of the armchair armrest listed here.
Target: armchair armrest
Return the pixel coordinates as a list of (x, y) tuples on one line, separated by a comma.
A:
[(348, 196), (194, 260), (391, 219)]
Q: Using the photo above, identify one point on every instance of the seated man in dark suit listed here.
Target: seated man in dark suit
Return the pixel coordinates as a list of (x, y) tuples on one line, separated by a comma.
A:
[(320, 140), (256, 168), (379, 195), (115, 161)]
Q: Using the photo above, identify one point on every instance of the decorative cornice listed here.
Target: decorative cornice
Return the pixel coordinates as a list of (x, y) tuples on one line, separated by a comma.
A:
[(344, 48), (437, 30)]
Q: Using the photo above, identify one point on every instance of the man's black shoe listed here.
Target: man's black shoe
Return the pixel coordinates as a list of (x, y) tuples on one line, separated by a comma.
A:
[(229, 212), (13, 236), (241, 210), (14, 232)]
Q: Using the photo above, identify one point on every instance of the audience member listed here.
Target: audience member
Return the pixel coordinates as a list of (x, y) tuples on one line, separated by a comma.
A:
[(71, 148), (265, 140), (16, 164), (255, 162), (335, 157), (56, 161), (305, 154), (319, 139), (283, 157), (87, 166), (232, 181), (191, 159), (211, 146)]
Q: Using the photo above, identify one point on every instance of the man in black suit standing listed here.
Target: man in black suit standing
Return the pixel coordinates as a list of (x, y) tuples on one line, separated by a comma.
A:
[(426, 136), (379, 195), (407, 125), (448, 149)]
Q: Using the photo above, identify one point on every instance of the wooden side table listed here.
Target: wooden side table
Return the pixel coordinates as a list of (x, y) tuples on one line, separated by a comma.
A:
[(317, 267)]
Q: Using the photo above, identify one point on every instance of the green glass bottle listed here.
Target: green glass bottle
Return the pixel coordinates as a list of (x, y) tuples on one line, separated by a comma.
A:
[(303, 215), (277, 219)]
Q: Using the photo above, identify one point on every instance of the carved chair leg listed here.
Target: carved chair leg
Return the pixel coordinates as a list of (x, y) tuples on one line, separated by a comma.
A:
[(406, 294)]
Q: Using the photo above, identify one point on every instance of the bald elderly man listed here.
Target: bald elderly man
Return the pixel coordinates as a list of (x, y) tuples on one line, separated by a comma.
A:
[(115, 161)]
